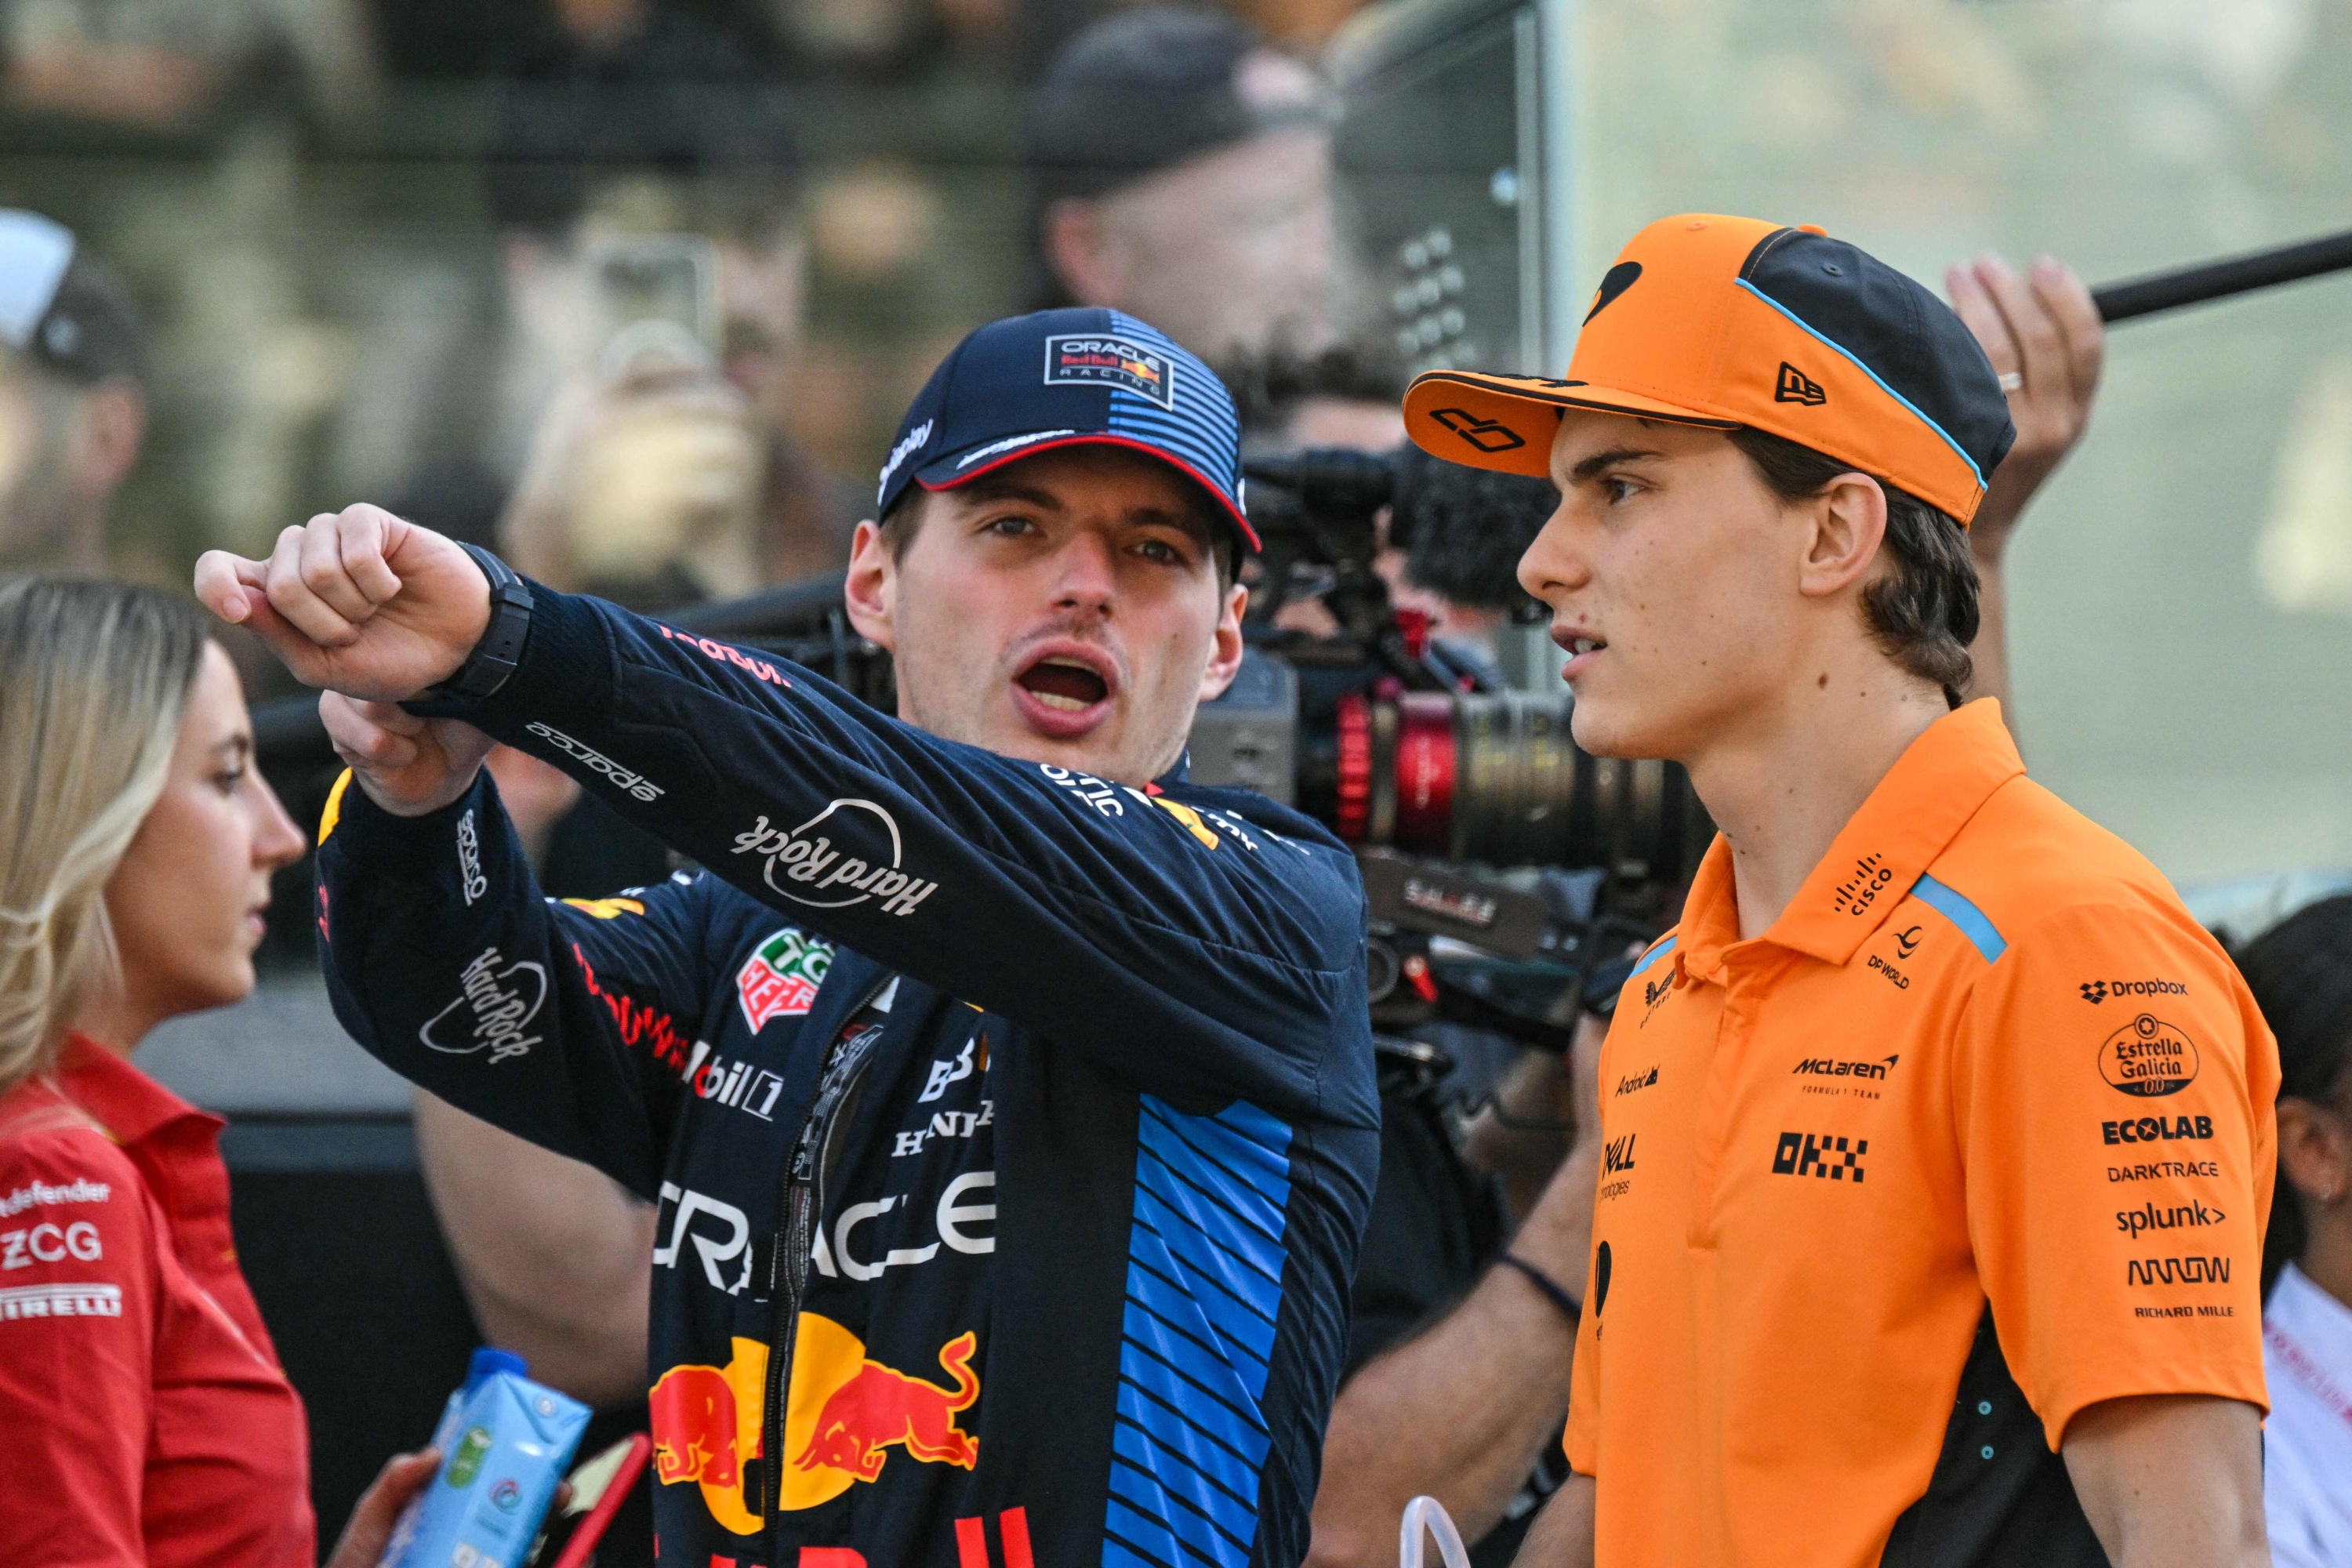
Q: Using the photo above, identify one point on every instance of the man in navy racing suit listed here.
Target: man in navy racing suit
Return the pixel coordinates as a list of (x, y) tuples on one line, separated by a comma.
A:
[(1009, 1101)]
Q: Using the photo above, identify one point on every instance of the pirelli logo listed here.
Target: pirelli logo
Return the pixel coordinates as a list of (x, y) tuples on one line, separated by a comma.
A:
[(1820, 1155), (60, 1301), (2177, 1271)]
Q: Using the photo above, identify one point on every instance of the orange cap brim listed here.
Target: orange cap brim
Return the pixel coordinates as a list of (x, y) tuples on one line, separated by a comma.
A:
[(1506, 422)]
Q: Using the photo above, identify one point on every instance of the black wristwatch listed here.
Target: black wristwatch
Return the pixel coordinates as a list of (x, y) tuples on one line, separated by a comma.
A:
[(495, 657)]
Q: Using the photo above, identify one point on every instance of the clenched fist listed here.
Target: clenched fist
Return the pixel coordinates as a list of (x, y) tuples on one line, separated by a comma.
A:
[(359, 602)]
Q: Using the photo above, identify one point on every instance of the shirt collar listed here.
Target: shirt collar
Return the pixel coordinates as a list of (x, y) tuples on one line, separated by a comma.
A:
[(1910, 818), (130, 1105)]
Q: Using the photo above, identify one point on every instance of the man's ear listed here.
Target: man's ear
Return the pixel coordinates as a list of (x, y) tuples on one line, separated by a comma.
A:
[(112, 426), (1078, 249), (871, 588), (1225, 654), (1846, 524)]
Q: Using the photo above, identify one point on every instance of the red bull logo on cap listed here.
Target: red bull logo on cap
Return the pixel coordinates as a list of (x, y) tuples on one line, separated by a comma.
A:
[(843, 1416)]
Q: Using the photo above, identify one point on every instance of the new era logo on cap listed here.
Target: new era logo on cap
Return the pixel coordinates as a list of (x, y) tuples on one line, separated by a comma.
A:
[(1029, 385), (1796, 386)]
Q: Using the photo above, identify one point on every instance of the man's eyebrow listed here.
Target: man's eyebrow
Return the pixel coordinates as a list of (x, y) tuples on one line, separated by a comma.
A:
[(980, 492), (1607, 460)]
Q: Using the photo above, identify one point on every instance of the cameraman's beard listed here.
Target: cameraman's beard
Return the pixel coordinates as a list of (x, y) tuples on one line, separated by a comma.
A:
[(48, 521)]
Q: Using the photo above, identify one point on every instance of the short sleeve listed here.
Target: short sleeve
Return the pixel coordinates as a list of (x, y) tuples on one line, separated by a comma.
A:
[(79, 1271), (2113, 1089)]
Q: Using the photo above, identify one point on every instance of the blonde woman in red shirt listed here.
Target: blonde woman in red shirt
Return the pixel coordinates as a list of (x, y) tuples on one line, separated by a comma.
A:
[(143, 1416)]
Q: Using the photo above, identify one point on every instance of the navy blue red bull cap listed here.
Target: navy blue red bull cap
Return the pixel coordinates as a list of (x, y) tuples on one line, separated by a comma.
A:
[(1068, 378)]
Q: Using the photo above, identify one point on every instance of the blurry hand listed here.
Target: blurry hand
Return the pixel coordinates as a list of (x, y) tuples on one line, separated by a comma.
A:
[(662, 468), (405, 764), (2043, 328), (378, 1509), (359, 601)]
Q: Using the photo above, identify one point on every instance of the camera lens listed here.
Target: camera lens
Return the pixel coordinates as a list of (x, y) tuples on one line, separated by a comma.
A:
[(1496, 777)]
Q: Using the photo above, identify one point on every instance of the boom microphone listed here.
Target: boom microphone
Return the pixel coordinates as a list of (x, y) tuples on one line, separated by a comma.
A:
[(2209, 280)]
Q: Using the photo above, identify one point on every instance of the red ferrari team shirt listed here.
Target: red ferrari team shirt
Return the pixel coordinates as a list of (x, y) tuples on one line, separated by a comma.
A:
[(1978, 1134), (143, 1416)]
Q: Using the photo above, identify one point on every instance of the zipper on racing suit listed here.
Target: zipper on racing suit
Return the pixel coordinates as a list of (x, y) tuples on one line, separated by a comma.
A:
[(801, 1209)]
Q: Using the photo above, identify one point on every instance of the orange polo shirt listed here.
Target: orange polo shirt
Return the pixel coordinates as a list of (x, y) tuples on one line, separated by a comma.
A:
[(1978, 1134)]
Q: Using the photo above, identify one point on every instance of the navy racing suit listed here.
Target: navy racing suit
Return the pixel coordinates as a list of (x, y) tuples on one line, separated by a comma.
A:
[(1013, 1133)]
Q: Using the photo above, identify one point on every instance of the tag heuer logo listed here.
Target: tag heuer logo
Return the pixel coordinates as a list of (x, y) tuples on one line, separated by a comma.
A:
[(780, 978)]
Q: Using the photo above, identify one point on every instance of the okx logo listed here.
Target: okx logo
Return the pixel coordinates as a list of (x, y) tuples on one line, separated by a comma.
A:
[(1808, 1154)]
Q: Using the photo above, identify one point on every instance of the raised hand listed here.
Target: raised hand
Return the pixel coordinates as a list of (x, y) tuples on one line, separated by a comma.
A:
[(359, 602), (2045, 339)]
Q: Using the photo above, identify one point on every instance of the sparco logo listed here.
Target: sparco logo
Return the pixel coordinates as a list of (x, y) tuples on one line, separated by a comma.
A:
[(624, 779), (807, 860), (499, 1000), (2180, 1216), (1805, 1155), (2148, 1057), (469, 860), (2177, 1271), (2156, 1129), (2097, 991)]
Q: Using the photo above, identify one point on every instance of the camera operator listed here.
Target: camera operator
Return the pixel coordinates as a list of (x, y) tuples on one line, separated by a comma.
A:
[(1180, 170), (1783, 1343), (2300, 971), (989, 982), (73, 409)]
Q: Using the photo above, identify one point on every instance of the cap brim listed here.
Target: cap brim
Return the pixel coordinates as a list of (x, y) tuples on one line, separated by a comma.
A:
[(1506, 422), (954, 469)]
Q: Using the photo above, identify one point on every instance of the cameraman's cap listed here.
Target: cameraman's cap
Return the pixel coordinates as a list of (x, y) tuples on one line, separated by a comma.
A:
[(59, 307), (1724, 321), (1068, 378)]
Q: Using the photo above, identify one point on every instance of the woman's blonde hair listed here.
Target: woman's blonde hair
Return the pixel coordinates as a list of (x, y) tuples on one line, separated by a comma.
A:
[(93, 680)]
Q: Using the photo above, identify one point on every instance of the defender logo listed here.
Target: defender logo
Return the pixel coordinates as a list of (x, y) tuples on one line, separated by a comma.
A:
[(2177, 1271), (1796, 386), (1486, 434), (2148, 1057), (808, 859), (1805, 1155), (500, 998), (1097, 360)]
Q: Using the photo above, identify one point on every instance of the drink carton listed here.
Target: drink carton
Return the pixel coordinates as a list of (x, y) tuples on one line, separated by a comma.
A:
[(505, 1442)]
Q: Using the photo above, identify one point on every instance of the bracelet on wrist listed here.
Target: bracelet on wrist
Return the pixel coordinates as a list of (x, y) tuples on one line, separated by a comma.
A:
[(1568, 1304)]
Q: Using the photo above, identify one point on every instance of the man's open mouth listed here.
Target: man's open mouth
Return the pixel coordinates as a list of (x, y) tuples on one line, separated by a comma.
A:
[(1063, 684)]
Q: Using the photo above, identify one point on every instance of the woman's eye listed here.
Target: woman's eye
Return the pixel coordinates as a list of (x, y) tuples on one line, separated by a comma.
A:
[(228, 779)]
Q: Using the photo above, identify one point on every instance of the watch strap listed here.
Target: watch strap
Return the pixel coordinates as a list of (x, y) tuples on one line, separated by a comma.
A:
[(498, 653)]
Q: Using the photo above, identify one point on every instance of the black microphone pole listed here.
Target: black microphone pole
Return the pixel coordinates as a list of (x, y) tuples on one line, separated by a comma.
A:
[(2219, 279)]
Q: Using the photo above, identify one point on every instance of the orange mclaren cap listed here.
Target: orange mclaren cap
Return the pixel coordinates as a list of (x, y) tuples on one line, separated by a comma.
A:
[(1725, 321)]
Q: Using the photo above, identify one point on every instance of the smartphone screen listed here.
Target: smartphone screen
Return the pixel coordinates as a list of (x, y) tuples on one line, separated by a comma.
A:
[(599, 1484), (659, 294)]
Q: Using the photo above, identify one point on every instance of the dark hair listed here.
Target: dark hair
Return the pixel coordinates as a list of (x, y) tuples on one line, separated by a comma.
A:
[(1269, 387), (1923, 613), (906, 515), (1463, 530), (2300, 972), (674, 102)]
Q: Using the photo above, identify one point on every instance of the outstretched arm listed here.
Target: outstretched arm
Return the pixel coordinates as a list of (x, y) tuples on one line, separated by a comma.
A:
[(2041, 327)]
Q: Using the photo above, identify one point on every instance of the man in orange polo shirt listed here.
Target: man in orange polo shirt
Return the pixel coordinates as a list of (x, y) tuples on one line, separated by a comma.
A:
[(1939, 1136)]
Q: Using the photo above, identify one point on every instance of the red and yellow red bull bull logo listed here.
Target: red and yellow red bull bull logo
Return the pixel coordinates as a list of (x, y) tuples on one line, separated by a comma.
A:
[(842, 1416)]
